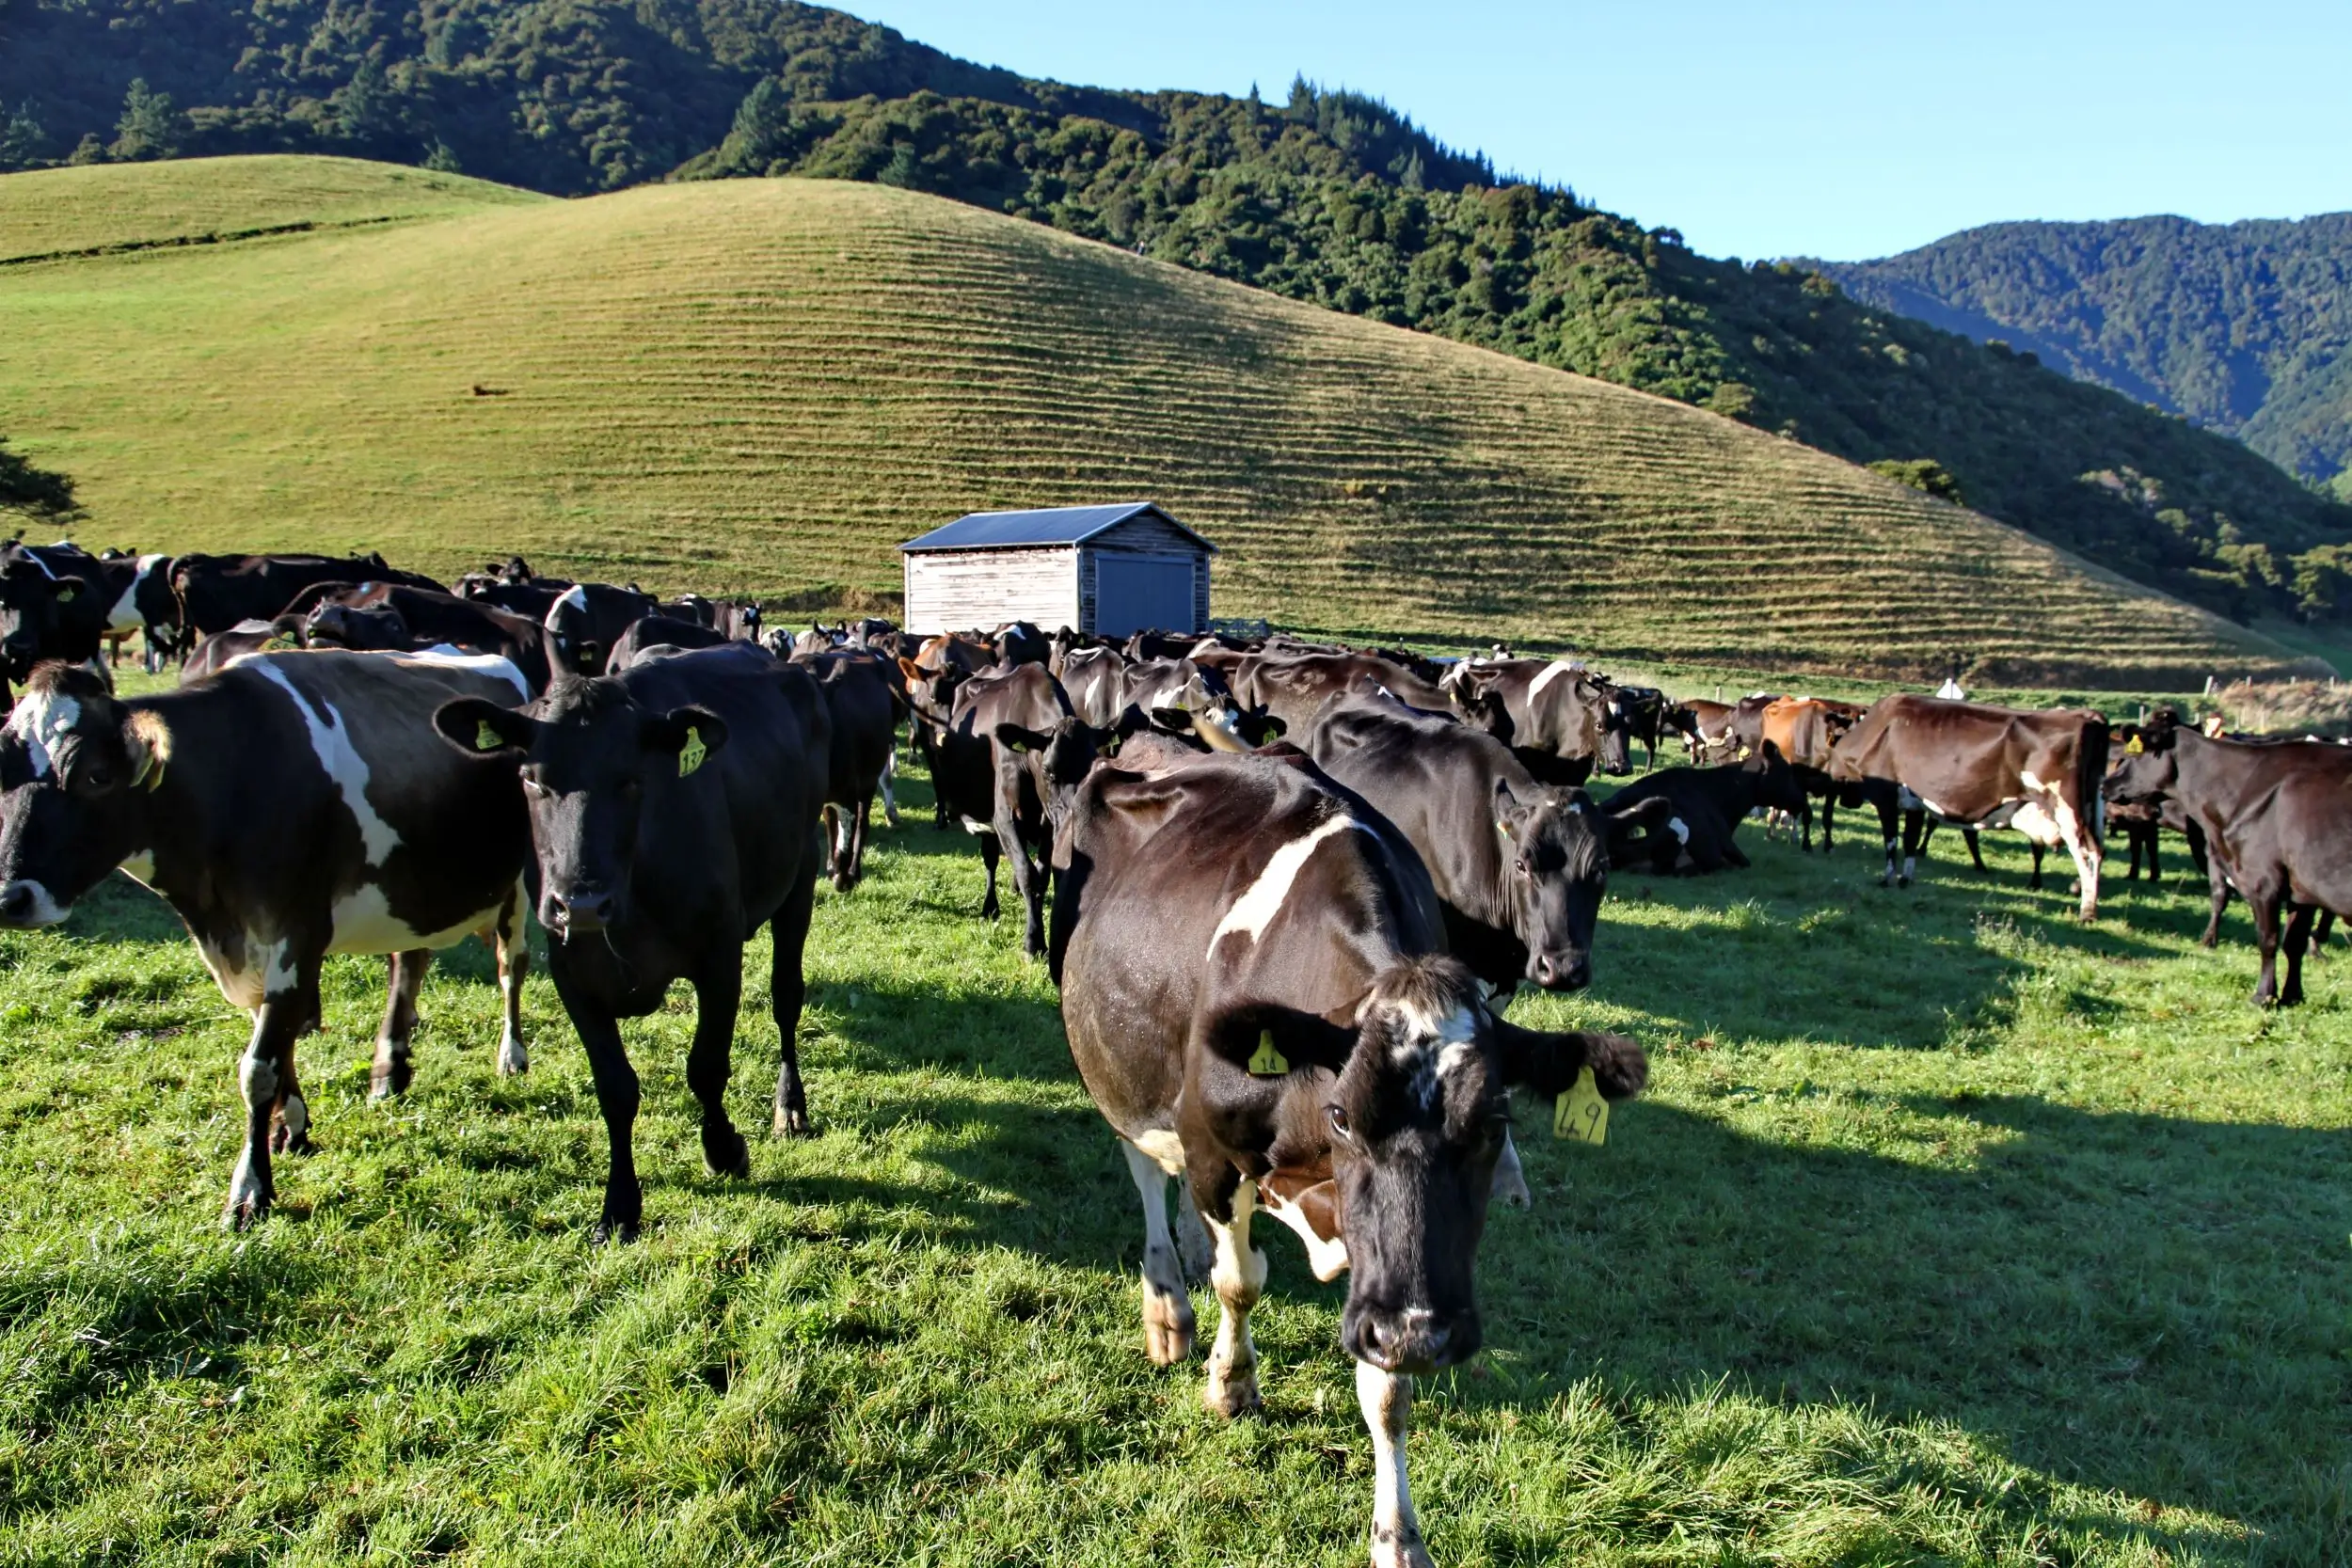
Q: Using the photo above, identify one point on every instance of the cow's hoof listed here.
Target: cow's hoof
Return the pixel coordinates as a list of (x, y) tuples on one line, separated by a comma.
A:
[(1167, 1329), (1394, 1549), (623, 1231), (726, 1154), (389, 1082), (514, 1061), (245, 1210), (1902, 881), (891, 818), (285, 1140), (1232, 1395), (793, 1122)]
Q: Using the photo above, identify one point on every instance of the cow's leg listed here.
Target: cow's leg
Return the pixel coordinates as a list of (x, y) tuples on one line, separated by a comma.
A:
[(404, 973), (991, 851), (2082, 847), (1804, 828), (1387, 1402), (2220, 891), (2319, 934), (2299, 936), (2033, 882), (266, 1076), (789, 988), (1829, 823), (1239, 1276), (710, 1061), (1915, 832), (857, 839), (1028, 884), (890, 784), (514, 950), (1194, 1250), (292, 1132), (1167, 1322), (2266, 906), (1975, 842), (834, 827), (617, 1098)]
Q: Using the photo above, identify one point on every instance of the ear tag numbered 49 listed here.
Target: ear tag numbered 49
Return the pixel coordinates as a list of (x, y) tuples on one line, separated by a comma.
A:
[(1581, 1113)]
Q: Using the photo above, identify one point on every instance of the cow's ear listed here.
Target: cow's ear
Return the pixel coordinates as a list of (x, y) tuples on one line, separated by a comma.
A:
[(687, 734), (1014, 739), (16, 761), (482, 728), (1508, 812), (1546, 1062)]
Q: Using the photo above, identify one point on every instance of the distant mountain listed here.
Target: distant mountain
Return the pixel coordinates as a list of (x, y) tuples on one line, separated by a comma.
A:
[(2244, 327), (1329, 197)]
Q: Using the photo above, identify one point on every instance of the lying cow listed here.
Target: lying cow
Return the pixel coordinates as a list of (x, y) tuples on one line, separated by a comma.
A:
[(1705, 807), (285, 810), (1252, 992), (1977, 765), (673, 812), (2277, 821)]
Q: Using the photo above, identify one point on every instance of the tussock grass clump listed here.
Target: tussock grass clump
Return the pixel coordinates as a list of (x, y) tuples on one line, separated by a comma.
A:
[(2285, 708)]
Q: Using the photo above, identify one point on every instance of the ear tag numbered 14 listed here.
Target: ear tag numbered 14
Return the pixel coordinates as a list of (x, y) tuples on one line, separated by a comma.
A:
[(1266, 1062), (1581, 1115), (690, 755), (486, 739)]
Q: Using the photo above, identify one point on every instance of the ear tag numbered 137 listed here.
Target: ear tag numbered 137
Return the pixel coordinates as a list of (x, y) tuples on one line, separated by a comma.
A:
[(1581, 1113), (1266, 1062), (690, 756)]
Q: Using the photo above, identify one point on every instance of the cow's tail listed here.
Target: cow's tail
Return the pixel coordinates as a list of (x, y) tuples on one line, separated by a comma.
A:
[(2090, 778)]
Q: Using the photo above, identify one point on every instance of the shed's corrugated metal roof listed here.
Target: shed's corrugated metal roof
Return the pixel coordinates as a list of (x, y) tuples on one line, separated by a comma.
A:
[(1052, 525)]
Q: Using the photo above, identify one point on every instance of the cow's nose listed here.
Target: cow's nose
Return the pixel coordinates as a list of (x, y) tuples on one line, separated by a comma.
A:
[(579, 913), (1560, 973), (16, 903), (1411, 1341)]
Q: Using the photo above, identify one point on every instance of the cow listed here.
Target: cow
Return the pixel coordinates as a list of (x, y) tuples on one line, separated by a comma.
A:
[(56, 602), (1705, 728), (1022, 642), (1560, 720), (1975, 764), (1706, 805), (587, 619), (1096, 682), (528, 596), (659, 631), (673, 812), (216, 653), (737, 620), (1806, 730), (2277, 821), (283, 809), (148, 607), (1291, 686), (1253, 994), (864, 711), (215, 592), (1007, 759), (392, 615), (818, 638), (1641, 713)]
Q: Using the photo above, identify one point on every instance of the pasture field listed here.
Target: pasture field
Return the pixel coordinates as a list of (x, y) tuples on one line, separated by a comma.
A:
[(1951, 1232), (763, 386)]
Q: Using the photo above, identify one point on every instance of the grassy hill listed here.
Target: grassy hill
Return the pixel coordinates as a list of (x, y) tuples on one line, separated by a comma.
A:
[(764, 384), (2239, 326)]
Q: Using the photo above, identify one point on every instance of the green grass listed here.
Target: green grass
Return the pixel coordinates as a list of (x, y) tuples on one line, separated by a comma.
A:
[(1951, 1232), (764, 385)]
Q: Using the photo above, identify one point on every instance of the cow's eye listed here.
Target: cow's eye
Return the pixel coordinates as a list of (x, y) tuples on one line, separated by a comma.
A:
[(1338, 1123), (1524, 867)]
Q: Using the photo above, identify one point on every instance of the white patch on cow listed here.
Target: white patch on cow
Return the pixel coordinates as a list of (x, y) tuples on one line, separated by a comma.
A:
[(1239, 1278), (241, 986), (331, 739), (1549, 673), (2025, 776), (297, 1116), (1164, 1149), (889, 779), (446, 656), (1256, 908), (46, 911), (1325, 1255), (43, 719), (1911, 868), (974, 825), (576, 599), (1386, 1400), (1680, 829), (277, 970), (125, 616), (1950, 691), (244, 1188), (364, 923), (2036, 824), (513, 1058), (257, 1076)]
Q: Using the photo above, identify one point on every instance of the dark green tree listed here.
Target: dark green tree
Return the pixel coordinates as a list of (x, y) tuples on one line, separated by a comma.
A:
[(22, 140), (762, 131), (36, 492), (367, 111), (150, 127), (1921, 473)]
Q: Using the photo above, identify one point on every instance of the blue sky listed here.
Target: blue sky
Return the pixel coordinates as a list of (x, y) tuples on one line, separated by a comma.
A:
[(1835, 130)]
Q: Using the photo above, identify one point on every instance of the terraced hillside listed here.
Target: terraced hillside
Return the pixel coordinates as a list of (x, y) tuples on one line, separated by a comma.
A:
[(764, 384)]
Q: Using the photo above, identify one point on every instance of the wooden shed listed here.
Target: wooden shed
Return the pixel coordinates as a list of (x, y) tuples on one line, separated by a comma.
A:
[(1109, 570)]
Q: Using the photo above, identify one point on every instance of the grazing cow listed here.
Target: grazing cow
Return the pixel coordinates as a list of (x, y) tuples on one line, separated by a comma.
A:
[(587, 619), (659, 631), (673, 812), (1705, 806), (1252, 993), (2277, 822), (285, 810), (215, 592), (391, 615), (1560, 718), (864, 710), (216, 653), (1007, 759), (1291, 686), (1978, 765)]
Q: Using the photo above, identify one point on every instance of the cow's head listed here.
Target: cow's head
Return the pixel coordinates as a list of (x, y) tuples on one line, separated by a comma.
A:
[(1555, 867), (591, 757), (2144, 765), (1614, 726), (371, 628), (1412, 1126), (29, 598), (77, 768), (1057, 760)]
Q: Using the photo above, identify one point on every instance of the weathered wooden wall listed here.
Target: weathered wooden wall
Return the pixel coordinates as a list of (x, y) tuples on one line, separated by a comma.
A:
[(961, 590)]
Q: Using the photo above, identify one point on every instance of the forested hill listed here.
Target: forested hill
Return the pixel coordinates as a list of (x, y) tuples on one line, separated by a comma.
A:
[(1329, 197), (2243, 328)]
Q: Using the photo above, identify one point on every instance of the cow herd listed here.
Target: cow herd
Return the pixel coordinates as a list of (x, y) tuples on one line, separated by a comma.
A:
[(1286, 890)]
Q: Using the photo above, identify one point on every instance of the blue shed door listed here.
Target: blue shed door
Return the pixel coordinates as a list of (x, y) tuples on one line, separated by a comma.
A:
[(1137, 592)]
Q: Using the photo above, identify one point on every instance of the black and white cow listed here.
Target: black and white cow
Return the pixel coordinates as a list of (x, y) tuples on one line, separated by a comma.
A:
[(1252, 993), (587, 619), (1705, 807), (673, 812), (1004, 765), (289, 807)]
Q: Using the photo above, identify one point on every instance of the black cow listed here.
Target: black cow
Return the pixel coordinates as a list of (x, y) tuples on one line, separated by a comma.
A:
[(673, 812), (659, 631), (1705, 807), (1293, 686), (859, 700), (55, 602), (215, 592), (1021, 643), (285, 810), (587, 619), (1006, 762), (390, 615), (1252, 994), (2277, 821), (528, 596)]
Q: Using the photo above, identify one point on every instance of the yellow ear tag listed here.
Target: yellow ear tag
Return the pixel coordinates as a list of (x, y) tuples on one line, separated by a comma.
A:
[(1581, 1113), (690, 756), (2131, 748), (1268, 1062), (281, 645), (486, 739)]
